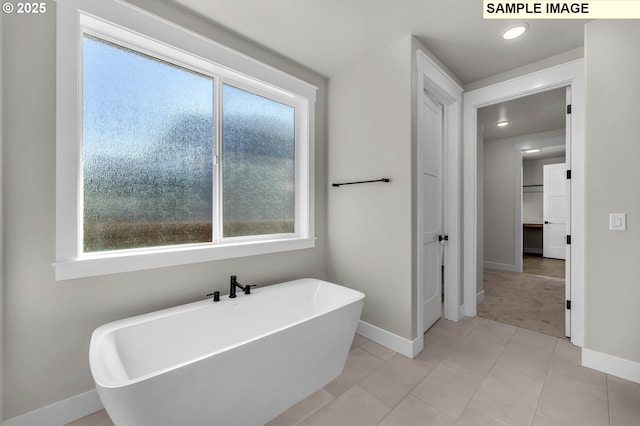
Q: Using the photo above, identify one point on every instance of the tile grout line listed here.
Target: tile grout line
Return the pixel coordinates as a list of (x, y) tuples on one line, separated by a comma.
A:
[(544, 384), (334, 397), (409, 393), (384, 361), (425, 377), (489, 371), (312, 413)]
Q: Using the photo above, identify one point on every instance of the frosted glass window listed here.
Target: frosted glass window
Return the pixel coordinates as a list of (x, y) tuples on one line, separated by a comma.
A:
[(147, 150), (258, 165)]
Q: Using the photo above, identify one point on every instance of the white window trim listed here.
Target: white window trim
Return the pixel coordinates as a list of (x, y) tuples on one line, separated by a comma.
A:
[(235, 68)]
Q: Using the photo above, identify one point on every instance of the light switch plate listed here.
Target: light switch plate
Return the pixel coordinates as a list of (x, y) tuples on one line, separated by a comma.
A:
[(617, 221)]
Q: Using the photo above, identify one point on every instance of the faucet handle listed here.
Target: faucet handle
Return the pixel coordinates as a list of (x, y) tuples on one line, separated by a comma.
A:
[(247, 288), (216, 296)]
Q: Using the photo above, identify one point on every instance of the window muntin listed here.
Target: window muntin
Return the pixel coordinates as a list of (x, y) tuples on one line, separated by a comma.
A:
[(147, 150), (258, 164)]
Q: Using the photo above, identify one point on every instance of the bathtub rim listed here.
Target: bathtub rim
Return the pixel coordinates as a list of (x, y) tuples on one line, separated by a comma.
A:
[(102, 332)]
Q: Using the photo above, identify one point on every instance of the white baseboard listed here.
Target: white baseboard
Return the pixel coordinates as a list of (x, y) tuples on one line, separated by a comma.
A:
[(480, 297), (610, 364), (60, 413), (406, 347), (501, 266)]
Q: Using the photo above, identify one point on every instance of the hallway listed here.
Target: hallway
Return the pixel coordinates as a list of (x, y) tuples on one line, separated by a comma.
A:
[(533, 299)]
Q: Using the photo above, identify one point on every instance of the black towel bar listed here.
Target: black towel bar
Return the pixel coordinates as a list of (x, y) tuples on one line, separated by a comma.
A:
[(362, 181)]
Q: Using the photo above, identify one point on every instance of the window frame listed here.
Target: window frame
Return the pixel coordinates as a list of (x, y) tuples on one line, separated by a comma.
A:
[(134, 28)]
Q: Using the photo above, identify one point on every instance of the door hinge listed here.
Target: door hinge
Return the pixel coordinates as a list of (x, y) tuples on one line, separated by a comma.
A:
[(568, 304), (568, 239), (569, 109), (443, 237), (568, 174)]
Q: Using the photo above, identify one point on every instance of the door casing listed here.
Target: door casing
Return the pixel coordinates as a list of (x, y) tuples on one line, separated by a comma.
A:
[(569, 74), (440, 86), (431, 233)]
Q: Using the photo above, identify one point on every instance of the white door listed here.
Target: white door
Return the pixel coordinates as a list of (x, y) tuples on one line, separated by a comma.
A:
[(554, 210), (431, 175)]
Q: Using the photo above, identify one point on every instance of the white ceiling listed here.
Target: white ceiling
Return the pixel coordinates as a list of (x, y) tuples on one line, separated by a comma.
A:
[(535, 113), (329, 35), (548, 152)]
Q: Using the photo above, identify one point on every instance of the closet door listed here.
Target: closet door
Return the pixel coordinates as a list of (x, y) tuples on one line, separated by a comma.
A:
[(554, 211)]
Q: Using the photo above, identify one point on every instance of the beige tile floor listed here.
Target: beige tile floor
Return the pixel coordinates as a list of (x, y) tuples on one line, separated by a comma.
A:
[(474, 372)]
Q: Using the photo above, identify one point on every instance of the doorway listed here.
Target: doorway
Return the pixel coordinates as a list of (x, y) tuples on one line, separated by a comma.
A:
[(519, 158), (437, 85), (544, 212), (567, 75), (431, 175)]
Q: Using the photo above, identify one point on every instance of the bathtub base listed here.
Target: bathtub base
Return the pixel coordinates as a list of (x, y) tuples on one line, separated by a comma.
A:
[(246, 385)]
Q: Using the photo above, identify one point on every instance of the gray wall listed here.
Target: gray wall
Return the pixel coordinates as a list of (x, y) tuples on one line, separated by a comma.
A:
[(369, 233), (612, 287), (532, 170), (532, 197), (373, 134), (499, 201), (47, 323), (540, 65)]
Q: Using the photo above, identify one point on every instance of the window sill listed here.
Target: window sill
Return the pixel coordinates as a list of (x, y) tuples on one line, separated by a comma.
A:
[(117, 262)]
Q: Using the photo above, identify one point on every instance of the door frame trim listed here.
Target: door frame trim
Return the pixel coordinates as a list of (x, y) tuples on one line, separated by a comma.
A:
[(568, 74), (432, 79)]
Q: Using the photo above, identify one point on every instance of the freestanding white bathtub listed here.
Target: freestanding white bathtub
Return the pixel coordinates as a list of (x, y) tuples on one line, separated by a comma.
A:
[(239, 361)]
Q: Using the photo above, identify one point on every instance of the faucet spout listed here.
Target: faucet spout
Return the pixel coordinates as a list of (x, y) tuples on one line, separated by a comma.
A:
[(232, 287)]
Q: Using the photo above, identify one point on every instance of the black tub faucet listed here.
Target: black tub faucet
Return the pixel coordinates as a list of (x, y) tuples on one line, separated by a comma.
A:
[(233, 284)]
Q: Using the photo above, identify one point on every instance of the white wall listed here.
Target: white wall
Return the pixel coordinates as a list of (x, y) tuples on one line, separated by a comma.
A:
[(373, 134), (532, 197), (369, 226), (1, 216), (533, 170), (47, 323), (551, 61), (612, 288), (499, 201)]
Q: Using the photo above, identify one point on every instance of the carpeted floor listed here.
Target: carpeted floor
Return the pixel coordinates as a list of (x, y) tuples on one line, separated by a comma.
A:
[(529, 301), (538, 265)]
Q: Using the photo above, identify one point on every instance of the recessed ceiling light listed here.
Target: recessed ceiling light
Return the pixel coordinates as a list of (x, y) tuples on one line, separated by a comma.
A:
[(502, 123), (514, 31), (531, 151)]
